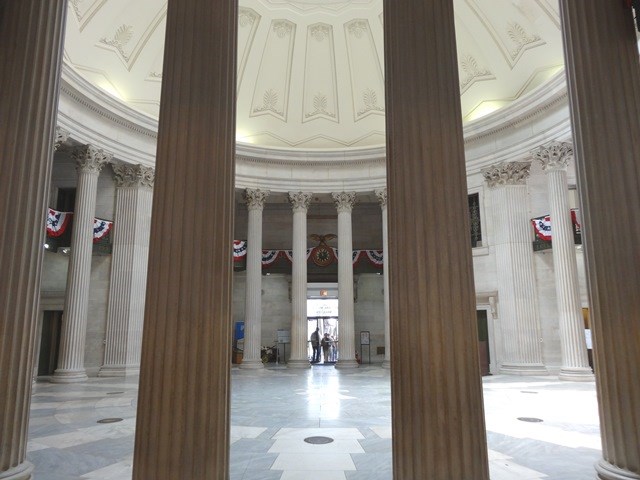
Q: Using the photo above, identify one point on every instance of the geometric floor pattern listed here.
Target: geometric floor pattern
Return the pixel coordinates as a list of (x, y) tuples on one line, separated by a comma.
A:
[(274, 410)]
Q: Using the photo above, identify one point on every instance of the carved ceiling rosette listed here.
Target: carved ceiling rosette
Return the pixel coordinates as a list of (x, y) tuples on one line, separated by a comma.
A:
[(510, 173), (554, 155), (255, 198), (300, 201), (127, 176), (344, 201), (90, 159)]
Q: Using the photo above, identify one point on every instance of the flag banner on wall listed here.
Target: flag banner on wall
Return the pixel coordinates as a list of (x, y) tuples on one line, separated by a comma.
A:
[(289, 254), (376, 257), (542, 225), (57, 222), (270, 256), (239, 250), (356, 256), (101, 229)]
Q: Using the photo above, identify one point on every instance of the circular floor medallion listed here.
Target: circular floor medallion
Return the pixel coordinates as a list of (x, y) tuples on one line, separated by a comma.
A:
[(110, 420), (527, 391), (318, 440), (114, 393), (530, 419)]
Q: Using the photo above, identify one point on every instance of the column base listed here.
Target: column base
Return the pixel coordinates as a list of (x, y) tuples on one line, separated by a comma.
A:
[(69, 376), (523, 369), (347, 364), (386, 364), (21, 472), (251, 364), (298, 364), (576, 374), (607, 471), (118, 370)]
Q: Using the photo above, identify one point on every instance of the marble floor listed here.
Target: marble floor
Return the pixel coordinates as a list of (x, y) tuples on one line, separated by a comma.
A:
[(274, 410)]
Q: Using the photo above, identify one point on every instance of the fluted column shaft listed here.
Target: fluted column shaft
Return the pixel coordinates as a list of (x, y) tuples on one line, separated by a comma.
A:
[(346, 329), (432, 300), (516, 275), (255, 199), (382, 198), (128, 283), (90, 161), (575, 361), (31, 39), (603, 75), (299, 359), (182, 428)]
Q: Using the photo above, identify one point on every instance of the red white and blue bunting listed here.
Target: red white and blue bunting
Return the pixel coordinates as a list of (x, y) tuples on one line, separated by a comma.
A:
[(101, 229), (376, 257), (239, 250), (57, 222), (542, 225), (270, 256)]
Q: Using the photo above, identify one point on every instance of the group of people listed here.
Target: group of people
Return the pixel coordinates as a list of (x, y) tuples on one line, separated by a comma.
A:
[(326, 343)]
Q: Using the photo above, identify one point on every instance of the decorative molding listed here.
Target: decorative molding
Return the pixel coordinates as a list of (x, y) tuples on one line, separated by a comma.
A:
[(370, 100), (320, 104), (554, 155), (320, 31), (472, 72), (358, 28), (90, 159), (300, 201), (61, 137), (269, 103), (510, 173), (521, 38), (255, 198), (246, 17), (381, 194), (282, 28), (344, 201), (120, 39), (127, 176)]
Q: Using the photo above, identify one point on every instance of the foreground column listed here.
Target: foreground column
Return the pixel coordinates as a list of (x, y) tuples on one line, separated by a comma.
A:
[(125, 312), (90, 161), (346, 335), (31, 38), (516, 276), (575, 362), (299, 358), (603, 74), (436, 392), (255, 199), (382, 198), (182, 429)]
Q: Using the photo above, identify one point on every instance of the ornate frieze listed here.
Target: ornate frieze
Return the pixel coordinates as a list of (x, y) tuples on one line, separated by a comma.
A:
[(255, 198), (91, 159), (300, 200), (344, 201), (133, 175), (381, 194), (510, 173), (554, 155), (61, 137)]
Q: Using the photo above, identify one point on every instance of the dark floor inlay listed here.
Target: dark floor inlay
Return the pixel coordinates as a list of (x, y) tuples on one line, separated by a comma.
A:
[(114, 393), (530, 419), (110, 420), (318, 440)]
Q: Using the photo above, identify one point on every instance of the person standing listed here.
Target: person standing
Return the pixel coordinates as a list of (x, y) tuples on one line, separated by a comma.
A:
[(326, 345), (315, 343)]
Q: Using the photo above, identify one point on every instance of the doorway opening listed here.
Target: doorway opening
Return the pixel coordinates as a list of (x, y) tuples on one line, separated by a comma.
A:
[(49, 342), (322, 313)]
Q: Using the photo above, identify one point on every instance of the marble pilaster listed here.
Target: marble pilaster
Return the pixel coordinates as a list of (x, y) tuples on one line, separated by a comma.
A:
[(31, 46), (603, 77), (89, 163), (431, 292), (255, 199), (382, 198), (300, 204), (346, 329), (554, 158), (521, 333), (128, 283)]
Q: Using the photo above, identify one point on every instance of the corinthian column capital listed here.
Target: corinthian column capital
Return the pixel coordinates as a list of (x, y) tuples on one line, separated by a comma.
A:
[(509, 173), (133, 175), (255, 198), (344, 201), (381, 193), (61, 137), (91, 159), (554, 155), (300, 200)]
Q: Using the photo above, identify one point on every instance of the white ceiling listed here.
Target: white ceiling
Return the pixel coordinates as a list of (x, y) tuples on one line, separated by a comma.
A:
[(311, 72)]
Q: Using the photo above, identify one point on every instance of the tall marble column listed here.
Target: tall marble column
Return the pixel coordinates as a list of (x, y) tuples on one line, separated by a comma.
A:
[(554, 158), (519, 311), (125, 310), (31, 39), (603, 75), (89, 163), (255, 199), (432, 301), (300, 204), (346, 329), (182, 425), (382, 198)]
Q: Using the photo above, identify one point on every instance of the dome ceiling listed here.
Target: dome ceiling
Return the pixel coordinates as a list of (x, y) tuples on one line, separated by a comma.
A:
[(311, 72)]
